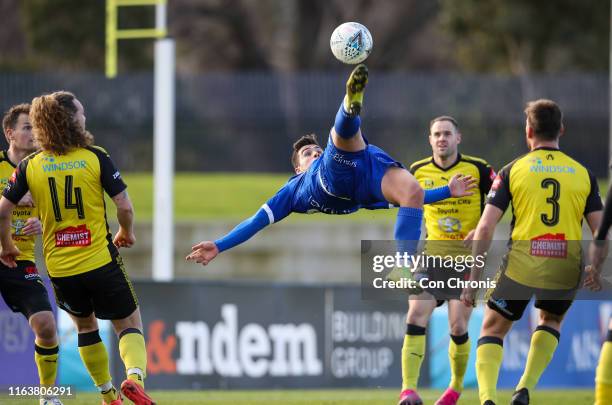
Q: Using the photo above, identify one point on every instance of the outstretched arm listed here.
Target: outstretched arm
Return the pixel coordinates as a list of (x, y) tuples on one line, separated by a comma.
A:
[(458, 186), (606, 220), (498, 200), (598, 250), (206, 251), (125, 215), (600, 225), (482, 241), (15, 190), (9, 252), (275, 209)]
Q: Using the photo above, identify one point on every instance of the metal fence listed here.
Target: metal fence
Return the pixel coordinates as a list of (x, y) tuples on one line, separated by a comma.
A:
[(248, 121)]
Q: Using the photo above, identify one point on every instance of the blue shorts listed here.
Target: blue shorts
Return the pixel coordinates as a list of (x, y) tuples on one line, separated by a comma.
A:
[(356, 175)]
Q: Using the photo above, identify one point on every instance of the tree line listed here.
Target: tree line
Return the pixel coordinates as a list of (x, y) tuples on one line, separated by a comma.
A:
[(472, 36)]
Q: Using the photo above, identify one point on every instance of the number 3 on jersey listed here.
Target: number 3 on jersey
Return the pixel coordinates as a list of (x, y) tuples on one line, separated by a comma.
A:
[(68, 201), (552, 200)]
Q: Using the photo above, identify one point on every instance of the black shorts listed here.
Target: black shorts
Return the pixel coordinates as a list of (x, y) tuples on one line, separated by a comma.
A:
[(23, 290), (105, 291), (502, 299), (441, 282)]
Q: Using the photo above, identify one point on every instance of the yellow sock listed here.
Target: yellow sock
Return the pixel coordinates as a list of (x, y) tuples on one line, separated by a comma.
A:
[(603, 376), (134, 354), (46, 362), (95, 357), (413, 352), (109, 395), (489, 355), (543, 345), (458, 355)]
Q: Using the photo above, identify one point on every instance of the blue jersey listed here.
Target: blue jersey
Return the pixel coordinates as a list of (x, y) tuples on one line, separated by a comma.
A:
[(336, 183)]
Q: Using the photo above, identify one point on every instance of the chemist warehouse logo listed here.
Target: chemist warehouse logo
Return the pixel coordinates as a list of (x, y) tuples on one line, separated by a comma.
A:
[(197, 348)]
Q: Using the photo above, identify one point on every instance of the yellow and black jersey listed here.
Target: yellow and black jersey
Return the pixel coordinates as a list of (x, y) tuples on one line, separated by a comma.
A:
[(453, 218), (550, 194), (69, 192), (24, 243)]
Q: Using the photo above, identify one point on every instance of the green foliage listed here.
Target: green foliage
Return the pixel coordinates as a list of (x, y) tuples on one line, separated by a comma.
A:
[(222, 196), (233, 197), (70, 34), (472, 35), (523, 36)]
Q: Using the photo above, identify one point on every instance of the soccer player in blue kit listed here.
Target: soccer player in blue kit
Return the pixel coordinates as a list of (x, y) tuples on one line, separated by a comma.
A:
[(348, 175)]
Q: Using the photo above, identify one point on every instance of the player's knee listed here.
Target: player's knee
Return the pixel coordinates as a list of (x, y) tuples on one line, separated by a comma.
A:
[(46, 331), (132, 321), (458, 327), (85, 325), (494, 324), (549, 319), (411, 194), (418, 317), (418, 320), (43, 326), (416, 191)]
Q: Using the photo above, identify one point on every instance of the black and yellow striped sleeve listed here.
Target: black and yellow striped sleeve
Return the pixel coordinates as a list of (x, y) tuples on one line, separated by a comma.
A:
[(499, 194), (606, 221), (593, 202), (487, 175), (110, 177), (418, 164), (18, 183)]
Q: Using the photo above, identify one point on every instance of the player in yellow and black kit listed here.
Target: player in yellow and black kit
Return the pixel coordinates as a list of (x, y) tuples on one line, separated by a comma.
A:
[(21, 287), (67, 180), (598, 253), (550, 194), (453, 220)]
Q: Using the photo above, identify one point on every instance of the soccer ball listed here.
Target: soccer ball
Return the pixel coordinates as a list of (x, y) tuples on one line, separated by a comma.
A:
[(351, 43)]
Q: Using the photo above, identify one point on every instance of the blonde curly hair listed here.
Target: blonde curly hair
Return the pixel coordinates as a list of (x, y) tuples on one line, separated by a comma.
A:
[(54, 124)]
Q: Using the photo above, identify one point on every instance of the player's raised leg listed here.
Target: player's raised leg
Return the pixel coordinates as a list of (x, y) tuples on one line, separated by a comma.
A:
[(458, 350), (134, 356), (603, 376), (398, 186), (95, 357), (355, 86), (346, 134)]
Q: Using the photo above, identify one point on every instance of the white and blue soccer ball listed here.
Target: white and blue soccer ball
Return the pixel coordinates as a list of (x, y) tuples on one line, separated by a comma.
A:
[(351, 43)]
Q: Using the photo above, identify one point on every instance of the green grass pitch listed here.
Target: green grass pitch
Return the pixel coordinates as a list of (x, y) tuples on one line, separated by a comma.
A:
[(230, 196), (372, 396), (221, 196)]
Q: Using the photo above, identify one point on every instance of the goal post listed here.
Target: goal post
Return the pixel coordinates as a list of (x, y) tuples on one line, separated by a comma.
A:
[(114, 34), (164, 123)]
